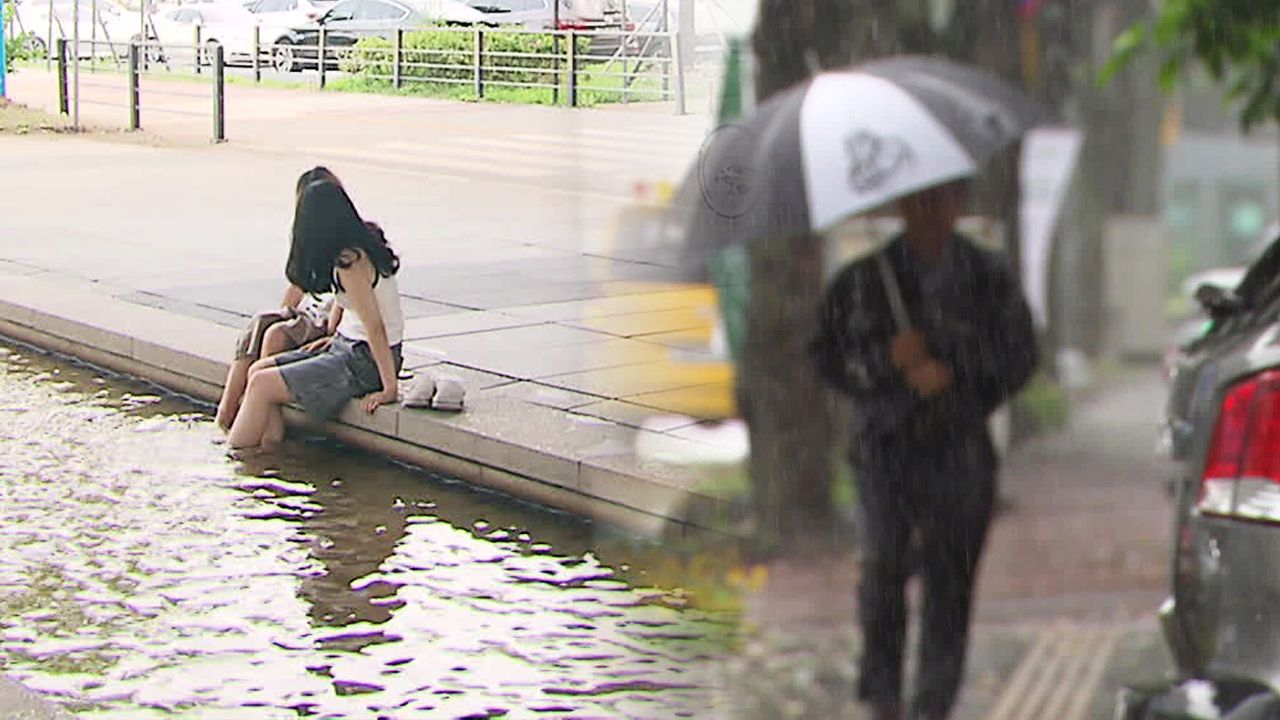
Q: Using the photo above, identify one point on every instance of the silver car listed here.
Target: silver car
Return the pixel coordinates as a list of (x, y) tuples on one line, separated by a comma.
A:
[(1221, 429)]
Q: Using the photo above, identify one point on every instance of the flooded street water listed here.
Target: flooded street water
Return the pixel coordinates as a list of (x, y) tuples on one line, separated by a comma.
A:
[(146, 575)]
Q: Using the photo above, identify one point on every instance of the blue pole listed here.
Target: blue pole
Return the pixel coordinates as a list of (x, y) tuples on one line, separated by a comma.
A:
[(3, 43)]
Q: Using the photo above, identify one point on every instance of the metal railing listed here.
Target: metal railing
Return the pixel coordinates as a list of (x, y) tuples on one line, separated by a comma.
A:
[(571, 67), (629, 65), (139, 59)]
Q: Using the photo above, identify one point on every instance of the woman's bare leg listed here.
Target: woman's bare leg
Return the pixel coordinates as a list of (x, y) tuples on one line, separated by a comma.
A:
[(232, 393), (274, 341), (273, 434), (267, 391)]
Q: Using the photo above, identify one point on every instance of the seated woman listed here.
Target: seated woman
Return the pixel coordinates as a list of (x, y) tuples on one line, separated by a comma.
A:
[(302, 319), (333, 250)]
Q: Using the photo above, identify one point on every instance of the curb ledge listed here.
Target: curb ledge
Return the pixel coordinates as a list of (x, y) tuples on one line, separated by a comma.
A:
[(548, 456)]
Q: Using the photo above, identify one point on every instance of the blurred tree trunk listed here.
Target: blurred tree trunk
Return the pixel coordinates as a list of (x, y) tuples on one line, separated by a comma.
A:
[(787, 407)]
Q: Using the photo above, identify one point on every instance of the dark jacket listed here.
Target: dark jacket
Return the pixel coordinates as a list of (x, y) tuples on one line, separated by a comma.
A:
[(978, 323)]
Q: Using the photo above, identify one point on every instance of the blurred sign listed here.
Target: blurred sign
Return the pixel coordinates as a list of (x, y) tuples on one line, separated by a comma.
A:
[(1048, 163)]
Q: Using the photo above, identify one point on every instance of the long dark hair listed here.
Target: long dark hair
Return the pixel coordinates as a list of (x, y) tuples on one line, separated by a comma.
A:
[(328, 233)]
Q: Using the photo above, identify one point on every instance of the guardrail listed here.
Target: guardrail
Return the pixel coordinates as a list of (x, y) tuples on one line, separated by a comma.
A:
[(139, 58), (571, 67), (628, 64)]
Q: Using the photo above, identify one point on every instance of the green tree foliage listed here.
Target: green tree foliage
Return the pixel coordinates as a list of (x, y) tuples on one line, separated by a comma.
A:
[(1237, 41)]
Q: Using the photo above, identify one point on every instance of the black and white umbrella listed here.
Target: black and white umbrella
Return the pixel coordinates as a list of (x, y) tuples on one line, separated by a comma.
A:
[(842, 143)]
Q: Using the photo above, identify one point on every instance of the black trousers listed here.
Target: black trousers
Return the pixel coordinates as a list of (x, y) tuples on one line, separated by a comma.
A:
[(941, 491)]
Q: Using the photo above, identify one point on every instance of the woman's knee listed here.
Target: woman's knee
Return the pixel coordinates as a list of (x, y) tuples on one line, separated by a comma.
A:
[(276, 340), (261, 365), (267, 384)]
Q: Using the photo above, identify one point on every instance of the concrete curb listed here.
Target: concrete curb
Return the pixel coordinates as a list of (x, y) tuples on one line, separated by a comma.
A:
[(570, 462), (19, 703)]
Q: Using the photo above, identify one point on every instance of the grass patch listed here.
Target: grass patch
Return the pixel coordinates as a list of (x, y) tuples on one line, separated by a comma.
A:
[(16, 119), (607, 89), (1046, 402)]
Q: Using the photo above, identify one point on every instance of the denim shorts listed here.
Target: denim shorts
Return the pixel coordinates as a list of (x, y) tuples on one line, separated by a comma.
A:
[(323, 381)]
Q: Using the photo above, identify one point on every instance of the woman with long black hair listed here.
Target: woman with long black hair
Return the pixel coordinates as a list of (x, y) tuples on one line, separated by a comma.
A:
[(332, 250)]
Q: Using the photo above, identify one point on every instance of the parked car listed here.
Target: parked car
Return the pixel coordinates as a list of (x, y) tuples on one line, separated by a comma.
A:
[(349, 20), (602, 16), (1220, 428), (33, 18), (225, 24), (288, 13)]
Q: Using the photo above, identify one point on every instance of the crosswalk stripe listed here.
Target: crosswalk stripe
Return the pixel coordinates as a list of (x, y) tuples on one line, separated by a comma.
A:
[(469, 149), (656, 132), (543, 161), (514, 150), (636, 147), (433, 160)]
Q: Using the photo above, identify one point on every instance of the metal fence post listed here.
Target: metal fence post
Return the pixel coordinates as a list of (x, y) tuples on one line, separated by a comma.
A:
[(573, 69), (666, 73), (135, 106), (257, 54), (478, 62), (626, 72), (199, 51), (555, 66), (321, 53), (677, 61), (64, 104), (219, 96), (398, 60)]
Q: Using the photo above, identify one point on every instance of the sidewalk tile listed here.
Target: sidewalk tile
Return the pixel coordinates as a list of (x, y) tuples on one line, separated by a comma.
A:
[(675, 400), (540, 394), (645, 323), (635, 415), (619, 382), (654, 301), (461, 323)]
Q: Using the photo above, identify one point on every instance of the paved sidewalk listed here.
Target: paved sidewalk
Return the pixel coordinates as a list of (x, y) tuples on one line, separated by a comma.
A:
[(150, 258), (590, 153)]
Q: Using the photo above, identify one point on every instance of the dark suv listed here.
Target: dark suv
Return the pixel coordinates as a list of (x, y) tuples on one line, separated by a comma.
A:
[(1221, 429)]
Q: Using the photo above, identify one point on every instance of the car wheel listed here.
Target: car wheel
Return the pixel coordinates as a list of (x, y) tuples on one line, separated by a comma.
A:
[(150, 54), (35, 46), (210, 53), (282, 58)]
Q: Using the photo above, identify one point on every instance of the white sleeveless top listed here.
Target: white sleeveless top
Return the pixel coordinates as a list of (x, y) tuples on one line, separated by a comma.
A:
[(387, 294)]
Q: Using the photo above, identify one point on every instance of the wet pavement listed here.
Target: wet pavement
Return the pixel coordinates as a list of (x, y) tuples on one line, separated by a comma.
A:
[(147, 575)]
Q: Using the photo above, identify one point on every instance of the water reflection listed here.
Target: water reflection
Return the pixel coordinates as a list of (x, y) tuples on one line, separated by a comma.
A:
[(147, 576)]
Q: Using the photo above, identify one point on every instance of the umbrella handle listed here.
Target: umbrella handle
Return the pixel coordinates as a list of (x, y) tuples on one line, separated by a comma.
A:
[(895, 293)]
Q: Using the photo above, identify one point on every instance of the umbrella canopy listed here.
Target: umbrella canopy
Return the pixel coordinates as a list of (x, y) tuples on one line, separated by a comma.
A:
[(842, 143)]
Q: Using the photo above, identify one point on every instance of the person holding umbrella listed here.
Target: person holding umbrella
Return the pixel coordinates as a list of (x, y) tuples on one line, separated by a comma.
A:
[(927, 338), (926, 334)]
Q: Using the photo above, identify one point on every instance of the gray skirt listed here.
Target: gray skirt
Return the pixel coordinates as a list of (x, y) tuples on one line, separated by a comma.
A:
[(323, 381)]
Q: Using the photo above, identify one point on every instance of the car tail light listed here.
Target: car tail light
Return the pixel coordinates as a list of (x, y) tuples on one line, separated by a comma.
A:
[(573, 25), (1242, 470)]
